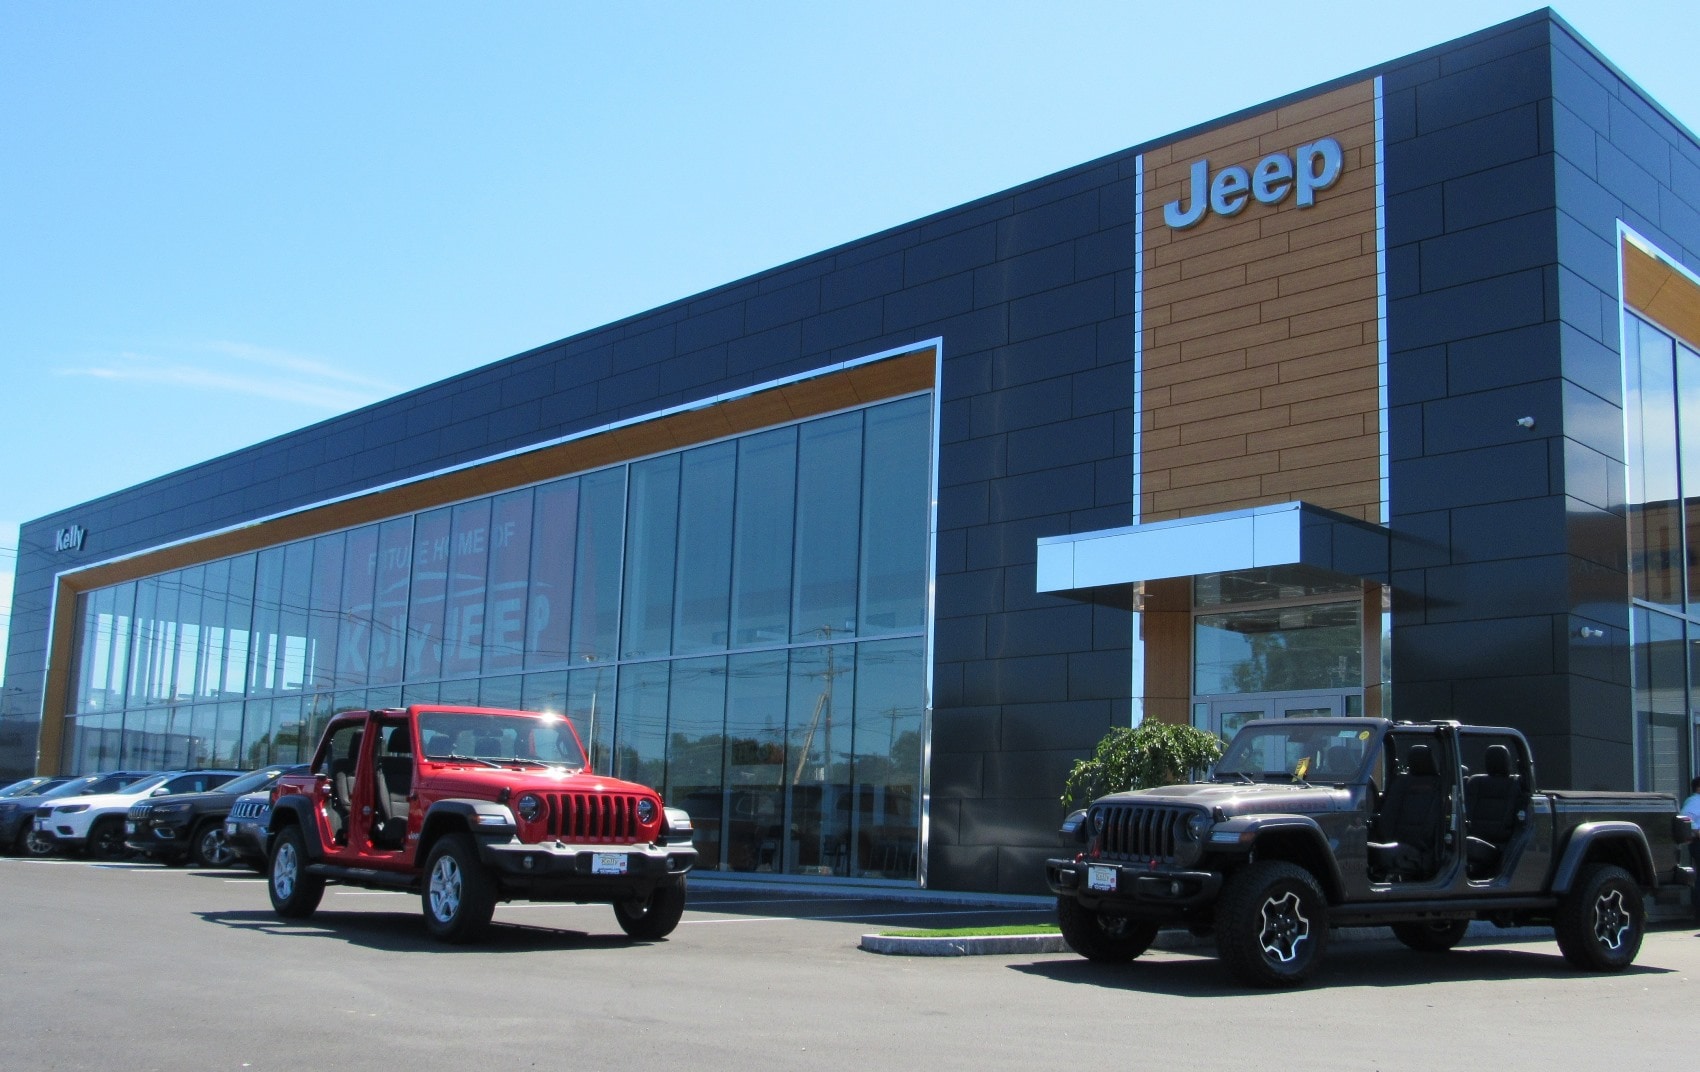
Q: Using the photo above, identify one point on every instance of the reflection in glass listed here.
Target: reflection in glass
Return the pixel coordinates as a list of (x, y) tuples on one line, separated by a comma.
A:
[(817, 760), (886, 836), (752, 823), (596, 575), (427, 594), (354, 623), (504, 602), (469, 562), (829, 512), (695, 746), (894, 516), (554, 547), (652, 535), (1279, 649), (704, 588), (640, 733), (761, 556), (1655, 522)]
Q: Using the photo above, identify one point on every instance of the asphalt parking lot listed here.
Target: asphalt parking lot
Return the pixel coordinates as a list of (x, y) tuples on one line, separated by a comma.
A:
[(139, 967)]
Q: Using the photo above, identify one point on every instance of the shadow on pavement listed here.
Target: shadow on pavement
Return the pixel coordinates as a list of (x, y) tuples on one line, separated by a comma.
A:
[(398, 932), (1365, 964)]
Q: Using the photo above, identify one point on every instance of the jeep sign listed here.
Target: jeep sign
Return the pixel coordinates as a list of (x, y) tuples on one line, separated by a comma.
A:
[(1312, 167)]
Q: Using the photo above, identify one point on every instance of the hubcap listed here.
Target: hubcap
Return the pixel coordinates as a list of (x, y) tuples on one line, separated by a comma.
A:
[(214, 850), (1285, 927), (283, 871), (445, 889), (1611, 919)]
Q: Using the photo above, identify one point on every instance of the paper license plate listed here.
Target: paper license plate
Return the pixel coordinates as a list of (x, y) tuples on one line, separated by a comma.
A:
[(129, 828), (608, 863), (229, 829), (1101, 878)]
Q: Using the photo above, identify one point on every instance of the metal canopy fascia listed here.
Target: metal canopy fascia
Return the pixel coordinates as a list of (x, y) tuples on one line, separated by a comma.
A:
[(1103, 566)]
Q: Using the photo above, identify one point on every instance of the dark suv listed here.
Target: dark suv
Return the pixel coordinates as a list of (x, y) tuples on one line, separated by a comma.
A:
[(186, 827)]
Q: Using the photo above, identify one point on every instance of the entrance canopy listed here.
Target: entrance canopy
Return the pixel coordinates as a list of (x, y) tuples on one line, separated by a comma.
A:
[(1108, 565)]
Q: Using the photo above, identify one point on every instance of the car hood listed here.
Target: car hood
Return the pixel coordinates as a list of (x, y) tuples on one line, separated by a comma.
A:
[(211, 797), (1231, 798), (100, 800), (477, 780)]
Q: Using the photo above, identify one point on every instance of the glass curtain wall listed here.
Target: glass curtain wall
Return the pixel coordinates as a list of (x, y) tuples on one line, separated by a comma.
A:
[(1662, 417), (739, 624)]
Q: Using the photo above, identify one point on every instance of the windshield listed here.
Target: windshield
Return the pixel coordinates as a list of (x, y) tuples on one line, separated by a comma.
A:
[(512, 737), (90, 784), (1286, 752), (28, 787), (151, 782), (253, 780)]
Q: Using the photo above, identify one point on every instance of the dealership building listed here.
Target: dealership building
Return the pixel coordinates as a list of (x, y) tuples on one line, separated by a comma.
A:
[(1382, 398)]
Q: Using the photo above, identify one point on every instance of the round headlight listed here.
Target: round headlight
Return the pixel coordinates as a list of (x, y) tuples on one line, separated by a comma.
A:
[(646, 811), (1097, 818), (1196, 825), (529, 806)]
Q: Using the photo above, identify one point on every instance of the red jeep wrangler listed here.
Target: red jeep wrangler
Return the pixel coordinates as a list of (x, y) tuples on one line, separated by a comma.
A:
[(471, 806)]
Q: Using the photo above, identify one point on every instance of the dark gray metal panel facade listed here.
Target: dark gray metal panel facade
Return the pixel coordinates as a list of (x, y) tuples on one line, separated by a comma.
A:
[(1510, 155)]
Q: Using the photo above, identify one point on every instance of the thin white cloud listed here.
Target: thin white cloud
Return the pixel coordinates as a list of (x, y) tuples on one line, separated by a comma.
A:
[(240, 368)]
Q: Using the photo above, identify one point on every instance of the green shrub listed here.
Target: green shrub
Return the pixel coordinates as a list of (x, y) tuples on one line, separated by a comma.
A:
[(1140, 757)]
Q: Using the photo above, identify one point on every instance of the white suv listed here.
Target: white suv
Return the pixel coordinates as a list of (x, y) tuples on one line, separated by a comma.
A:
[(96, 823)]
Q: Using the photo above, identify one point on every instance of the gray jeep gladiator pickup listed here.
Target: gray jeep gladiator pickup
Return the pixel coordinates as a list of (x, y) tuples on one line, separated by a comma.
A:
[(1308, 823)]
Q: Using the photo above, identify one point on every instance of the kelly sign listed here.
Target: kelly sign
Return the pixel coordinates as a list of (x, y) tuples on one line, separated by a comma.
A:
[(1312, 167)]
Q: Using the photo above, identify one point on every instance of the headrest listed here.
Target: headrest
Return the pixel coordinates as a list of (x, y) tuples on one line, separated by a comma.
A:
[(1421, 761), (400, 742), (1497, 760)]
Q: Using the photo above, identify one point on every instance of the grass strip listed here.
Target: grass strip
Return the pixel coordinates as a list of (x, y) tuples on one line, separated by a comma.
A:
[(974, 932)]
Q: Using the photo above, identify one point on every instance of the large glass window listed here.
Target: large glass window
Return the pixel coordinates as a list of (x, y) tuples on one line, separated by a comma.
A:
[(1279, 649), (1662, 417), (739, 624)]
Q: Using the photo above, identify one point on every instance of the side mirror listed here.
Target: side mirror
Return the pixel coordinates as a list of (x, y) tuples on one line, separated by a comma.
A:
[(162, 791)]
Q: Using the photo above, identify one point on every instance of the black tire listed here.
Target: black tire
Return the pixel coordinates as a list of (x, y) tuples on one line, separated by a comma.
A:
[(459, 897), (1434, 936), (32, 842), (295, 894), (209, 848), (1272, 924), (106, 839), (655, 916), (1104, 938), (1601, 920)]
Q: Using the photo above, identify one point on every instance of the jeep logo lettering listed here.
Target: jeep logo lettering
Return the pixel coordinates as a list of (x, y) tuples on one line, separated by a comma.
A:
[(1312, 167)]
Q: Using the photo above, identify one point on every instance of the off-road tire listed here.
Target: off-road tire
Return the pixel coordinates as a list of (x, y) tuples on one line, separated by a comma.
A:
[(1600, 922), (1434, 936), (106, 839), (1272, 924), (653, 917), (295, 894), (1106, 939), (208, 847), (459, 897)]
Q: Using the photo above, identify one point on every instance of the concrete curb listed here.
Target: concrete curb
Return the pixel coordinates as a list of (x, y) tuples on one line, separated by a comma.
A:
[(977, 945)]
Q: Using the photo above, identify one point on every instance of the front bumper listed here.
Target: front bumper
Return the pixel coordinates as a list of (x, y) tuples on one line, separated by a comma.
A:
[(555, 871), (1134, 889), (157, 838), (246, 838)]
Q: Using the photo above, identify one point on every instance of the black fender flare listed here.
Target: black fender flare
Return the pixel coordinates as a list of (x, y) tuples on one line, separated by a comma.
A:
[(1260, 830), (295, 809), (485, 820), (1587, 835)]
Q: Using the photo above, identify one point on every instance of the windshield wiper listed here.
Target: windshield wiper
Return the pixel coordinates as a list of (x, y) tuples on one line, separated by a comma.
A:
[(454, 757), (1237, 773)]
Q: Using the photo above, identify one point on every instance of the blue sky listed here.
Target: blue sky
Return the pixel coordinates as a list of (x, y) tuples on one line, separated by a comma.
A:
[(221, 222)]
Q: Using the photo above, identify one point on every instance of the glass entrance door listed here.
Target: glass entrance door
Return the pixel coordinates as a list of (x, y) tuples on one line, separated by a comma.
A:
[(1224, 715)]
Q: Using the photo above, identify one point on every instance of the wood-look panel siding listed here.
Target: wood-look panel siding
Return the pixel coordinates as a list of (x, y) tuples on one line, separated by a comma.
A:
[(1661, 292), (1260, 355)]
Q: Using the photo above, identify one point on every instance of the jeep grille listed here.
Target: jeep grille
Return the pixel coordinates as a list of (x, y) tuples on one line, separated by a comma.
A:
[(1140, 830), (581, 817)]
